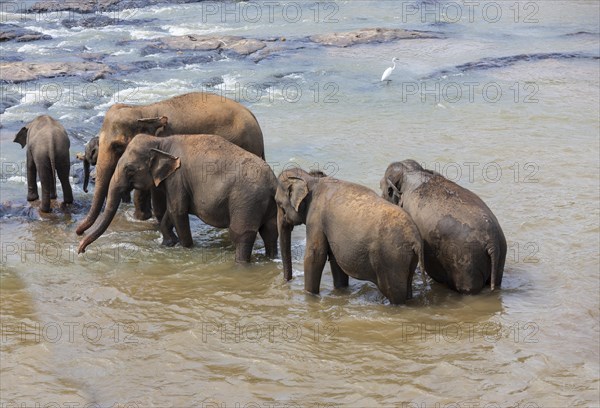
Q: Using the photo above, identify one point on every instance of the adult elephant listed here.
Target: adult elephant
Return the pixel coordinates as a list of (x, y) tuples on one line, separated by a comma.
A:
[(192, 113), (47, 156), (465, 247), (205, 175), (361, 234)]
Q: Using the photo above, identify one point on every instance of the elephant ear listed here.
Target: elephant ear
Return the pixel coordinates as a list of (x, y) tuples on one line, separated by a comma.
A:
[(154, 126), (393, 190), (21, 137), (162, 165), (298, 190)]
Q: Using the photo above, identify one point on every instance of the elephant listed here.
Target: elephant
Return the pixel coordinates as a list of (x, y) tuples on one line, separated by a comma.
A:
[(221, 183), (361, 234), (192, 113), (465, 247), (47, 156), (89, 158)]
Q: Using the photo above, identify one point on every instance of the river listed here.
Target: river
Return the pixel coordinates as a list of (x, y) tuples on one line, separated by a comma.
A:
[(505, 102)]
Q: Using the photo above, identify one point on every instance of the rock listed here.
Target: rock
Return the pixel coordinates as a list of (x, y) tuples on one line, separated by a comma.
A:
[(101, 20), (16, 72), (277, 48), (370, 36), (98, 20), (9, 100), (246, 46), (239, 45), (80, 6), (94, 6), (13, 32)]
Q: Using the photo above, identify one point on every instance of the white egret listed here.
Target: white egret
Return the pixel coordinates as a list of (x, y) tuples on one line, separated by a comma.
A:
[(388, 72)]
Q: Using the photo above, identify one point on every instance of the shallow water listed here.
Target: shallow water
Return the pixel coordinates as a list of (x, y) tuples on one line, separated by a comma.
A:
[(135, 324)]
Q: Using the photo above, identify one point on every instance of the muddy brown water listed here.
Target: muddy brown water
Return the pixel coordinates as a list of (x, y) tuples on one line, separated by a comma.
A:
[(133, 324)]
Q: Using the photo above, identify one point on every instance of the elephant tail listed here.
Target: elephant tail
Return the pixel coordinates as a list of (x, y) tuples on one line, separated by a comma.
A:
[(494, 254), (418, 249), (53, 162), (262, 156)]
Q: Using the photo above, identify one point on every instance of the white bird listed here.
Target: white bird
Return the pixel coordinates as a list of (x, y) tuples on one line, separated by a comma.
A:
[(388, 72)]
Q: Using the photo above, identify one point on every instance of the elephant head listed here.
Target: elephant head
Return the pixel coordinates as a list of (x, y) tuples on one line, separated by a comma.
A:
[(142, 166), (292, 198), (89, 159), (21, 136), (400, 177), (121, 124)]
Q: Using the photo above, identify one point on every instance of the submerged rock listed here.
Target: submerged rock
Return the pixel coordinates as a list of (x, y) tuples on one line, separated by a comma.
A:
[(10, 32), (509, 60), (370, 36), (9, 100), (16, 72)]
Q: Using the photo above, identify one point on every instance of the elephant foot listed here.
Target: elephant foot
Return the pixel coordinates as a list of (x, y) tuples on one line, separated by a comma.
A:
[(170, 242), (66, 205), (46, 210), (53, 196), (32, 197), (142, 215)]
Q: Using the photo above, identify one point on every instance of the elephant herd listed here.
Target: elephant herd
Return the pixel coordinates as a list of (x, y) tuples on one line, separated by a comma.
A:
[(203, 154)]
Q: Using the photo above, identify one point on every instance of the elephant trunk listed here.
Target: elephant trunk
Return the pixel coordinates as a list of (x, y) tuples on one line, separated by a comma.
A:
[(86, 174), (285, 242), (104, 173), (112, 205)]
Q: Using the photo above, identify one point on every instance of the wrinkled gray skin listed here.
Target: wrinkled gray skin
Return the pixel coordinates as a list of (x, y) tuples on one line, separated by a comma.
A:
[(361, 234), (47, 154), (89, 158), (192, 113), (465, 247), (221, 183)]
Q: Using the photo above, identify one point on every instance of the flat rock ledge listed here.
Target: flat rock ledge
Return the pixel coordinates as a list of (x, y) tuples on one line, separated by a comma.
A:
[(80, 6), (10, 32), (370, 36), (15, 72), (240, 45)]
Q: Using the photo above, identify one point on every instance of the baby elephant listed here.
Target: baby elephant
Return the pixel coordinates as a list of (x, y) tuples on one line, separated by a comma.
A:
[(89, 158), (47, 154), (362, 235), (221, 183), (465, 247)]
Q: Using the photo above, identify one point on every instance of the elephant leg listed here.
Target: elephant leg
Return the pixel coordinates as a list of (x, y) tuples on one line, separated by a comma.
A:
[(32, 190), (411, 274), (340, 279), (126, 197), (166, 228), (244, 242), (63, 176), (47, 180), (182, 225), (141, 199), (394, 277), (159, 203), (395, 290), (269, 234), (53, 194), (314, 261)]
